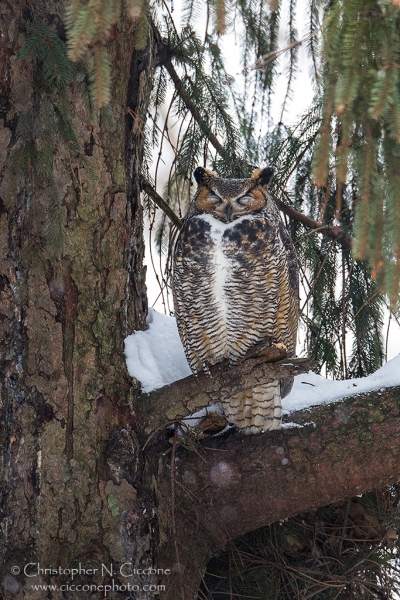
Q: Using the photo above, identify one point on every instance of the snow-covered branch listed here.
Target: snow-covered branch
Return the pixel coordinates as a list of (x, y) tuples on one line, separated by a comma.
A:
[(180, 399)]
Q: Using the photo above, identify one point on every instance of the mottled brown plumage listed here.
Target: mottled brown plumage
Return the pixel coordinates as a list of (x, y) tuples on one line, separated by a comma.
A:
[(236, 284)]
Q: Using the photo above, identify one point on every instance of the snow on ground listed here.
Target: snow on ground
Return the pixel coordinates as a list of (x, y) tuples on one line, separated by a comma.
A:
[(156, 358)]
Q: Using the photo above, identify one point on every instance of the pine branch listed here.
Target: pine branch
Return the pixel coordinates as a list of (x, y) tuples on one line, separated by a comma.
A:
[(150, 191), (192, 108), (333, 233), (188, 102)]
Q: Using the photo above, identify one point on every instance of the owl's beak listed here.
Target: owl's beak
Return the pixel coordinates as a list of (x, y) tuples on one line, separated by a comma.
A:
[(228, 213)]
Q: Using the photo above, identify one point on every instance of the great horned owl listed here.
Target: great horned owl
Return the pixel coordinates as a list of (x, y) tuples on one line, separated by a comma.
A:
[(236, 284)]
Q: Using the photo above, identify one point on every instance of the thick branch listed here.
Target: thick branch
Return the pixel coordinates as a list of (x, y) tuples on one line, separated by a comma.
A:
[(237, 485), (178, 400)]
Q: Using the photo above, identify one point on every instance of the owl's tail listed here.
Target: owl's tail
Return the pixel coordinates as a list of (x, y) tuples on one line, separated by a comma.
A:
[(255, 410)]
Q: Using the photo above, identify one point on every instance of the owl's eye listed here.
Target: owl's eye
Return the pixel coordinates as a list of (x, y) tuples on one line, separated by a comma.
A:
[(244, 200), (216, 199)]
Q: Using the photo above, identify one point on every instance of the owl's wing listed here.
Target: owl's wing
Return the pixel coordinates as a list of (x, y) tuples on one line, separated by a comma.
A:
[(293, 267), (293, 272), (200, 322)]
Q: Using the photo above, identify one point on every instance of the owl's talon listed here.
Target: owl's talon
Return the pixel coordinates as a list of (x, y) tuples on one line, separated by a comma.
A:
[(280, 346)]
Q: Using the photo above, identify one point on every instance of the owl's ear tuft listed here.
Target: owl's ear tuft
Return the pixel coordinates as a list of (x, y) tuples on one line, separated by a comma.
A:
[(201, 175), (263, 176)]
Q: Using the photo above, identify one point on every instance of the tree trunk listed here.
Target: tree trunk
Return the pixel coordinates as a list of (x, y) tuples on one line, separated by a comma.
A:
[(64, 385)]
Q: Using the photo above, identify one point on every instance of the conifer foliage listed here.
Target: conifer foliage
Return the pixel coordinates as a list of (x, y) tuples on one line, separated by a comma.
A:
[(361, 125), (91, 25)]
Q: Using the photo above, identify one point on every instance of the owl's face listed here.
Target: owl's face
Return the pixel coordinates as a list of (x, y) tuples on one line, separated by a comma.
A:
[(229, 199)]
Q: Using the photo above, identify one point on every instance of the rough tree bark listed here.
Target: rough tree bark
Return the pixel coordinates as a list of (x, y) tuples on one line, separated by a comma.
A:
[(85, 480), (64, 385)]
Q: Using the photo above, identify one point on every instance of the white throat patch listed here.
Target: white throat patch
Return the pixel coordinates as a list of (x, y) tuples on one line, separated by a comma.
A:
[(221, 263)]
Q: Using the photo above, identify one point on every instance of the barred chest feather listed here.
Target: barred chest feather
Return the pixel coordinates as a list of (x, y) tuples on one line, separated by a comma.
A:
[(224, 285), (223, 261)]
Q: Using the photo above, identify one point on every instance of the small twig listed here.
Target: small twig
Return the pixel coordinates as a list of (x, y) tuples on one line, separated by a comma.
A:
[(345, 519), (230, 575), (368, 300), (187, 491), (331, 232), (321, 229), (137, 121), (267, 58), (166, 424)]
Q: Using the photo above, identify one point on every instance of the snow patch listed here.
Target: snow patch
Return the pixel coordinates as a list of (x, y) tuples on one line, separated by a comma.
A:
[(156, 358), (311, 389)]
